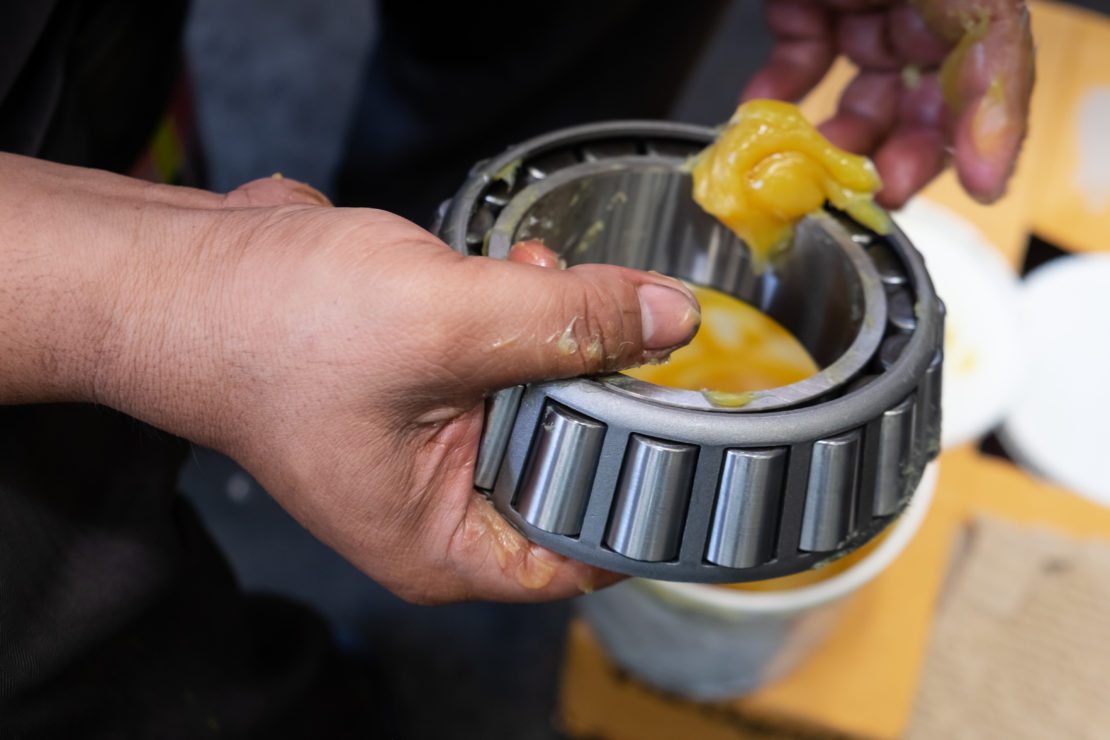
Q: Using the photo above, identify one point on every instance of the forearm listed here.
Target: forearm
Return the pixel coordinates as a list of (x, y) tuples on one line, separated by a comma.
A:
[(61, 244), (146, 298), (87, 260)]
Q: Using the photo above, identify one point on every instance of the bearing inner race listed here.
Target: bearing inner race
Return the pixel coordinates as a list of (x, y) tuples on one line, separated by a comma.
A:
[(639, 212)]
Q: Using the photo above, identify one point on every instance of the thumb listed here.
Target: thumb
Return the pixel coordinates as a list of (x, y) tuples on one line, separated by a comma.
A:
[(531, 323)]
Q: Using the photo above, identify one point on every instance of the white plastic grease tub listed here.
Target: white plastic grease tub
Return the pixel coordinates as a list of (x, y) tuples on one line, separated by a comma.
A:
[(708, 642)]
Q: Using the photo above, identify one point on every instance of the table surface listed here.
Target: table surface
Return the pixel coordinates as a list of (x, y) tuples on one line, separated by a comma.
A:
[(884, 631)]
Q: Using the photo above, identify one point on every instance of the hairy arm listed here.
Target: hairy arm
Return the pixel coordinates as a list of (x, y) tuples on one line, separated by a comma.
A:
[(343, 356)]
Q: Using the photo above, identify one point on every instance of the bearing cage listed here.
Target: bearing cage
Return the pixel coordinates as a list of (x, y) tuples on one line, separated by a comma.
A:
[(701, 495)]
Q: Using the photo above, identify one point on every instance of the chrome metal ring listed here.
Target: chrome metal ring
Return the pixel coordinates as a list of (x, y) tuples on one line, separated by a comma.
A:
[(664, 483)]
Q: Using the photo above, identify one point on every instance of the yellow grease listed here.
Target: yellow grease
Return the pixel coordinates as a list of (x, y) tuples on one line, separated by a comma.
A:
[(729, 400), (534, 568), (991, 119), (770, 167), (589, 237), (738, 350), (507, 174), (809, 577), (975, 29)]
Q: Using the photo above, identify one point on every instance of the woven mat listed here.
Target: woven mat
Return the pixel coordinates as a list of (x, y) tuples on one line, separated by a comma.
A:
[(1019, 649)]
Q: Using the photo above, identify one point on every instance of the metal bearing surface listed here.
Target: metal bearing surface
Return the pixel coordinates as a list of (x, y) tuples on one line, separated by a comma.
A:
[(667, 484)]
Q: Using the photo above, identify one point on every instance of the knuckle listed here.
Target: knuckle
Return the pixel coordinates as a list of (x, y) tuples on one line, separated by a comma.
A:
[(612, 325), (595, 327)]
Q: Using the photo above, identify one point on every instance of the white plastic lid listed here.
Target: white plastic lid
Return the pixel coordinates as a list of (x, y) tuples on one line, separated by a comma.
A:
[(983, 355), (1059, 426)]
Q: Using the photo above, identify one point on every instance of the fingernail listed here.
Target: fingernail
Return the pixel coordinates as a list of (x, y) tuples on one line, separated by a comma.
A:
[(670, 316), (534, 253)]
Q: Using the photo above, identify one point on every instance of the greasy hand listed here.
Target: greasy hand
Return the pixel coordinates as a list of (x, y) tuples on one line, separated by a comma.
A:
[(343, 356), (936, 77)]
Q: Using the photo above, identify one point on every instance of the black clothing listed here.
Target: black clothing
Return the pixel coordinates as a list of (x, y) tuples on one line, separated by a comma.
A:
[(118, 616), (84, 83), (450, 83)]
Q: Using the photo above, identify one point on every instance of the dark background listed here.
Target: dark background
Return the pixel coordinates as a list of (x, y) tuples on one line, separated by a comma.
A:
[(275, 84)]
